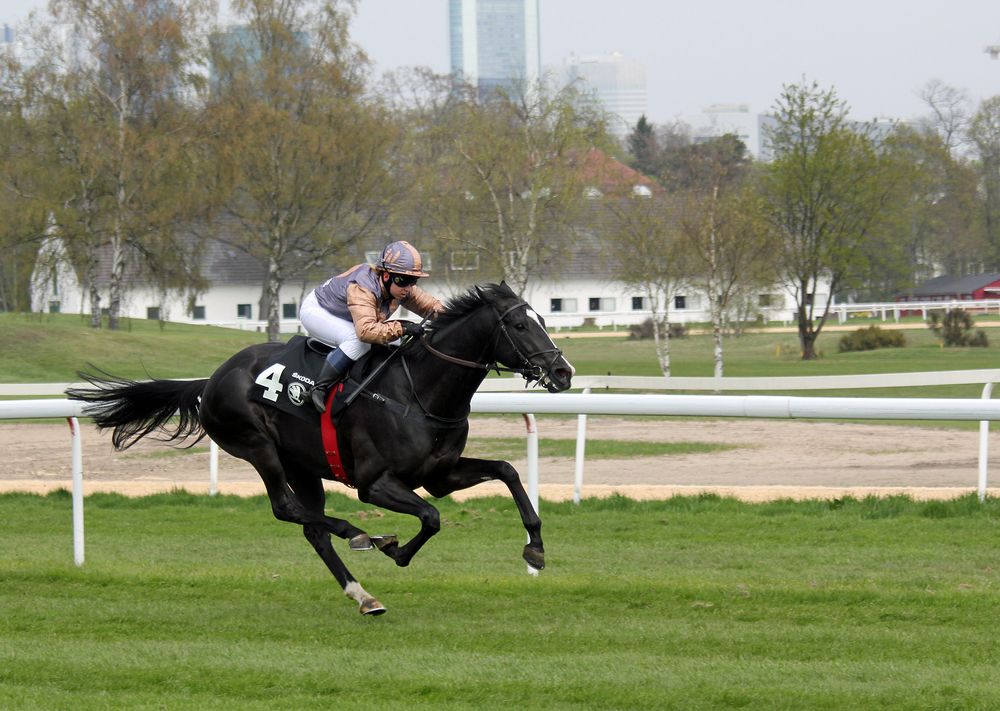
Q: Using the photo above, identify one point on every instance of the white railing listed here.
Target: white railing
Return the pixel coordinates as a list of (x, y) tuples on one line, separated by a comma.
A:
[(894, 310), (495, 397)]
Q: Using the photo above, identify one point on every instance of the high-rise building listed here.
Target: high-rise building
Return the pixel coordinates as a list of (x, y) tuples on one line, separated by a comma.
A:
[(495, 43), (618, 85), (7, 34)]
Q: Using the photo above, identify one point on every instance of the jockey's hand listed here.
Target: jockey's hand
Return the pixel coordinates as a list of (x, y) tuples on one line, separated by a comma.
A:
[(413, 330)]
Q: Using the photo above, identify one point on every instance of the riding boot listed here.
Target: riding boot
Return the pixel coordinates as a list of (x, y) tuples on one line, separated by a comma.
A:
[(335, 368)]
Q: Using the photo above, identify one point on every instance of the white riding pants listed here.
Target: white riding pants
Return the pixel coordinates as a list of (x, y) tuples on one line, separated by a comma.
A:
[(336, 331)]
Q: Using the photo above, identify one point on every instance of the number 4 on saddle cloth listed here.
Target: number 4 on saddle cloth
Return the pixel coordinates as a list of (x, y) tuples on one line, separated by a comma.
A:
[(284, 383)]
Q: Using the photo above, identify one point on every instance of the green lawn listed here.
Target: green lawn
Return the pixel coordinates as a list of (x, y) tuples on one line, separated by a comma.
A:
[(189, 602), (51, 348)]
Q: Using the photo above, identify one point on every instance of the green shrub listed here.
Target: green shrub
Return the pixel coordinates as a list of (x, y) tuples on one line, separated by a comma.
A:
[(870, 339), (644, 330), (954, 328)]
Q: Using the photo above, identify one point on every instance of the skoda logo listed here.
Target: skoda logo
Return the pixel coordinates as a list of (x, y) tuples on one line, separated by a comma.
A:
[(296, 393)]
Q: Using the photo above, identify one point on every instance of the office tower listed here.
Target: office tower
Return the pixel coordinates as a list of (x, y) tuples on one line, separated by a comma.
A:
[(618, 86), (495, 43)]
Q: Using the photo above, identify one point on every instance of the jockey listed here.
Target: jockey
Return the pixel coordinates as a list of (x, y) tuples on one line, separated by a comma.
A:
[(350, 311)]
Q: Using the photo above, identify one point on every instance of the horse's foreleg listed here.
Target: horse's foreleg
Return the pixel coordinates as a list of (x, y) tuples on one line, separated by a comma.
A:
[(320, 540), (468, 472), (390, 493)]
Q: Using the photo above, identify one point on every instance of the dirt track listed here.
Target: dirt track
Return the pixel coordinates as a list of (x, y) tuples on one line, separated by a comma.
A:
[(771, 459)]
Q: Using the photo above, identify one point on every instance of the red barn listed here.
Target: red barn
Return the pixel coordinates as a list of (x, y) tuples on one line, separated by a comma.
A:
[(975, 287)]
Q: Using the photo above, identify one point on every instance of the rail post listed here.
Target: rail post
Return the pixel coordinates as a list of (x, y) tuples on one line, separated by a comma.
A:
[(984, 446), (77, 466), (581, 448)]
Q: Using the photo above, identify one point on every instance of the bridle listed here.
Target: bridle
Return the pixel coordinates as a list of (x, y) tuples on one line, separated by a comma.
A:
[(528, 370)]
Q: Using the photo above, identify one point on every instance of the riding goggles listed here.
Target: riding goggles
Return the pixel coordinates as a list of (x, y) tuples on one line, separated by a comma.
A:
[(404, 280)]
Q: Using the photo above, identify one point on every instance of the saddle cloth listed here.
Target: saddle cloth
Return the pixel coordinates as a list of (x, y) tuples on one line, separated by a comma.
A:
[(284, 383)]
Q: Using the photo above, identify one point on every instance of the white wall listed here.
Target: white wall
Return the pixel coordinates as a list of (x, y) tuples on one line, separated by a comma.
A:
[(221, 302)]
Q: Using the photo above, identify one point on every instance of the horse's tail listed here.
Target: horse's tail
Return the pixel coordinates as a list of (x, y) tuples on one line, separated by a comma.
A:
[(135, 409)]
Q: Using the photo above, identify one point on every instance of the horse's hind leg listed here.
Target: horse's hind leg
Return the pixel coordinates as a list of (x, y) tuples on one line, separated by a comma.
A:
[(390, 493), (468, 472), (313, 498)]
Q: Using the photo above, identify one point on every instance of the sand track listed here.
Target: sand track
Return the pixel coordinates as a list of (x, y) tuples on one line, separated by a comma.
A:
[(770, 459)]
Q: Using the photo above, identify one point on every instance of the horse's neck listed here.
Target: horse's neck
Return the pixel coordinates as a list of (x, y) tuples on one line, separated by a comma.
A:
[(448, 384)]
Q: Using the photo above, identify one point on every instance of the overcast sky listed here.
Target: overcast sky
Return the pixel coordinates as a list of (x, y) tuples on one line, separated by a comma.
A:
[(878, 54)]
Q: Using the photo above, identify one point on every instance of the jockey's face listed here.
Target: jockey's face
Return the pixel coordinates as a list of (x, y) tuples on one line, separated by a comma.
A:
[(400, 285)]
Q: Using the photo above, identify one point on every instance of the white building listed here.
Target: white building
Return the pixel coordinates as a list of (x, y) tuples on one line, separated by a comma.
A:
[(617, 84), (571, 291), (737, 119)]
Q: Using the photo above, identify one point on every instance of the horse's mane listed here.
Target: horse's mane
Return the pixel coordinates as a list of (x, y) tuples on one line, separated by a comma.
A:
[(462, 305)]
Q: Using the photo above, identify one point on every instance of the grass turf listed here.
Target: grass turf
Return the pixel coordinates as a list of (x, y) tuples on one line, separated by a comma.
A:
[(194, 602)]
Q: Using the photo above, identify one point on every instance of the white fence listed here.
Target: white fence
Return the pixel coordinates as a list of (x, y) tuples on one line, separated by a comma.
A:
[(495, 397), (894, 310)]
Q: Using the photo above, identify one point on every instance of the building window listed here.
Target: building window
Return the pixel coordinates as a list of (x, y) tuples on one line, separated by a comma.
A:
[(598, 304), (197, 313), (680, 302), (639, 303), (153, 313), (54, 307), (562, 306), (244, 311), (764, 300), (464, 260), (808, 300), (289, 310)]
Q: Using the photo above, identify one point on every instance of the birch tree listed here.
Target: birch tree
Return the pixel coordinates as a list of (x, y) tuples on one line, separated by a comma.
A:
[(643, 250), (304, 160), (112, 78), (728, 245)]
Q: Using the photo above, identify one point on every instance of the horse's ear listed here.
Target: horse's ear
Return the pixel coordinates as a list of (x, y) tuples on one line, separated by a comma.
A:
[(506, 287)]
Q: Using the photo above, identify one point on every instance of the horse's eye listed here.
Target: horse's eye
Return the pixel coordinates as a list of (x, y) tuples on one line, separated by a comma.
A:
[(520, 326)]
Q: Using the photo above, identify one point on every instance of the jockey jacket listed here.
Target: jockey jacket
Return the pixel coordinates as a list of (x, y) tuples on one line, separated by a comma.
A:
[(358, 295)]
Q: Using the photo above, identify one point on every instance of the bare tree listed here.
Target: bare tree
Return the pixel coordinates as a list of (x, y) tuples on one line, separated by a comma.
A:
[(950, 112), (643, 250), (305, 161), (508, 173), (111, 95)]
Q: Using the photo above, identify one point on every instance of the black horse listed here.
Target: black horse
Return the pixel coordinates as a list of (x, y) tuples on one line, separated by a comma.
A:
[(406, 429)]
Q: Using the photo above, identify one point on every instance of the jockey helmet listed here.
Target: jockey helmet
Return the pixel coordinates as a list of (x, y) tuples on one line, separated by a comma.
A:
[(401, 258)]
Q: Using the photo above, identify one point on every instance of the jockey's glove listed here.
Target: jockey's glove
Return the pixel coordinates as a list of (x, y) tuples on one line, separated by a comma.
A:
[(413, 330)]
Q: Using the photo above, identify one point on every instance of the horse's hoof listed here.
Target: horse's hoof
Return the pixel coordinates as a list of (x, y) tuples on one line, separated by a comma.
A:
[(360, 542), (382, 541), (534, 557), (371, 606)]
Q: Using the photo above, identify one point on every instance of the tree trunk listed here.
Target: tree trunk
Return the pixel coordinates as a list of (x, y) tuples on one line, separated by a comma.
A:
[(661, 333), (807, 340), (273, 297), (118, 239), (116, 278)]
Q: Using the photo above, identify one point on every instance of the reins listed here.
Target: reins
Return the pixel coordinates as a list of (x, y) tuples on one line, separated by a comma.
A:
[(530, 371)]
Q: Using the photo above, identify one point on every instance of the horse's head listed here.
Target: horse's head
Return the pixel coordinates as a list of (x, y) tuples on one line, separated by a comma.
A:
[(521, 341)]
